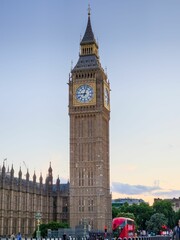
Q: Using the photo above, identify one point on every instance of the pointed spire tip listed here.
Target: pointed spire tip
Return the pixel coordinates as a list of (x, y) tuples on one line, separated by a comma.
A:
[(89, 10)]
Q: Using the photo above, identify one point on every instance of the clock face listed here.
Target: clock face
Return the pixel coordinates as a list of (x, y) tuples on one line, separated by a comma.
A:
[(84, 93), (106, 96)]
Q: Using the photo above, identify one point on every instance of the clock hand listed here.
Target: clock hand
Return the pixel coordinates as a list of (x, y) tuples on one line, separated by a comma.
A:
[(85, 90)]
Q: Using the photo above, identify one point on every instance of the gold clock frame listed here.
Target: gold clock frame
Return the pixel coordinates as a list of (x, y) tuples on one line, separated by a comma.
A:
[(76, 86)]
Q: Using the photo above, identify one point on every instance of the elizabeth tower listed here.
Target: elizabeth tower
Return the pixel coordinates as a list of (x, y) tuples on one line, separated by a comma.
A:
[(89, 111)]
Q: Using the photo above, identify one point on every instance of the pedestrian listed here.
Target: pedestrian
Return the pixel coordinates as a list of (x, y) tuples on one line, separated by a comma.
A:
[(176, 232), (64, 236), (19, 236), (12, 236)]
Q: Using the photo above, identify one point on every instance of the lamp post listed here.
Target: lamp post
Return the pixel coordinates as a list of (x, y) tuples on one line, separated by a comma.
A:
[(38, 217), (84, 228)]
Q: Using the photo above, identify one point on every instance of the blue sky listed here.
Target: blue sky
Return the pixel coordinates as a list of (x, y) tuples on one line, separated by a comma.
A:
[(139, 43)]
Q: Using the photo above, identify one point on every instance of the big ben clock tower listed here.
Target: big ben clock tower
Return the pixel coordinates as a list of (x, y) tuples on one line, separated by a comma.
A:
[(89, 111)]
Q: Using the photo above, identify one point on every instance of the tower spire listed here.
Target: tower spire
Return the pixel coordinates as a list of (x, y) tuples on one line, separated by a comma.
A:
[(89, 10), (88, 35)]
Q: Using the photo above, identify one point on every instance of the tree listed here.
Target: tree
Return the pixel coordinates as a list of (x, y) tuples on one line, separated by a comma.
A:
[(156, 222), (142, 213), (126, 215), (177, 217), (115, 212), (51, 225), (165, 207)]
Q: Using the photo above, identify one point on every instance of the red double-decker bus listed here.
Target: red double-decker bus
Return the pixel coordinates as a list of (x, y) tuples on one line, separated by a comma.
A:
[(123, 227)]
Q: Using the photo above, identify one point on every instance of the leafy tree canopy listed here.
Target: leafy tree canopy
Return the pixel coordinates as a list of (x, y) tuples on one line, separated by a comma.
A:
[(156, 222), (165, 207), (115, 212), (142, 213), (126, 215), (51, 225)]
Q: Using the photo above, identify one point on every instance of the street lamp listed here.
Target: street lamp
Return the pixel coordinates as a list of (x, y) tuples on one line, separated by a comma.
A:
[(38, 217)]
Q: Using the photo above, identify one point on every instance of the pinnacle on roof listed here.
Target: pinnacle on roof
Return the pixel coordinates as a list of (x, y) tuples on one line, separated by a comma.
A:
[(88, 35), (27, 175), (34, 177), (50, 168), (58, 181), (20, 173), (41, 178), (12, 171)]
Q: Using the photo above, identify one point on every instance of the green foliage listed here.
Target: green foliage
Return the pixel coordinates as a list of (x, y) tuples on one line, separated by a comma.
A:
[(177, 217), (51, 225), (156, 222), (43, 228), (126, 215), (165, 207), (115, 212), (141, 213)]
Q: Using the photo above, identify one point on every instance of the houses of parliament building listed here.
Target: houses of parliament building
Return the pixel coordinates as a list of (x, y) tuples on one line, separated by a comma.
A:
[(86, 197), (21, 199)]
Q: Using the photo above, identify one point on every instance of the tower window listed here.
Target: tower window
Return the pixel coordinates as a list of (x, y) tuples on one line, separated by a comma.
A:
[(90, 178), (81, 204), (81, 177), (90, 205)]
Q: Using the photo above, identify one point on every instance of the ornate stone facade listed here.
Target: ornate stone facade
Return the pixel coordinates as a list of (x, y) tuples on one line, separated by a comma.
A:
[(21, 199)]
